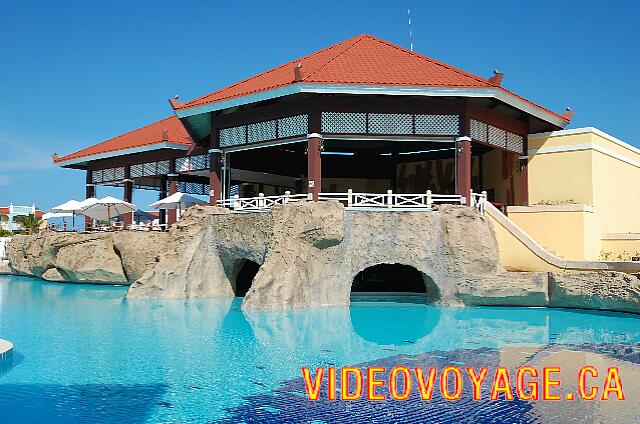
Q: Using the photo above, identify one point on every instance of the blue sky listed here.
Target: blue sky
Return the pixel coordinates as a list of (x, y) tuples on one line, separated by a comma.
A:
[(77, 73)]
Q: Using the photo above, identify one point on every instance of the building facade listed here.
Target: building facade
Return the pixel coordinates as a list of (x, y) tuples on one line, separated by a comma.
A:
[(363, 114), (584, 195)]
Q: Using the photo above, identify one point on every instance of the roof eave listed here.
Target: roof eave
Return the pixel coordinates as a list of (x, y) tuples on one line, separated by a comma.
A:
[(83, 160), (489, 92)]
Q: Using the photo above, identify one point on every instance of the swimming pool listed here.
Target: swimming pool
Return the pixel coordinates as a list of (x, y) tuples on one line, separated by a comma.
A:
[(86, 354)]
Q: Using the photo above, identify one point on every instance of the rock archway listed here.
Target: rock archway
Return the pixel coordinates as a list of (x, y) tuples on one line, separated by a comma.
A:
[(394, 279)]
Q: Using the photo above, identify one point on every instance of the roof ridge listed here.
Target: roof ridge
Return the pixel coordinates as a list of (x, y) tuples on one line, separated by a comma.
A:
[(333, 46), (357, 40), (430, 59)]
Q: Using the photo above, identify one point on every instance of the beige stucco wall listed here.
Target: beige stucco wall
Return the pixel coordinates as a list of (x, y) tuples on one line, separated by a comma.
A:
[(620, 247), (583, 167), (515, 255), (616, 188), (561, 176), (568, 230)]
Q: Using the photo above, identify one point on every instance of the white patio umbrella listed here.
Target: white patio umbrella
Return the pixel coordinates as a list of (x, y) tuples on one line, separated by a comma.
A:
[(177, 201), (68, 208), (50, 215), (85, 203), (106, 208)]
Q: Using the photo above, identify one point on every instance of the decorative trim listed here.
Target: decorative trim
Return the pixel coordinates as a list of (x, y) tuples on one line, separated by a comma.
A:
[(347, 137), (550, 208), (314, 135), (579, 147), (586, 130), (173, 175), (496, 93), (463, 138), (215, 150), (252, 146), (151, 147), (620, 236)]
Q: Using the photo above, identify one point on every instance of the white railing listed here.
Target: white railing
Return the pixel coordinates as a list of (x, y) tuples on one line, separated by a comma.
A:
[(261, 202), (392, 200), (478, 201), (354, 200)]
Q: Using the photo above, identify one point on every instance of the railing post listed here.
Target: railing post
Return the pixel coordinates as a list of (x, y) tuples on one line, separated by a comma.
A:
[(463, 200), (236, 202), (349, 198), (472, 199), (483, 199), (310, 197), (286, 197), (429, 199), (389, 199), (261, 203)]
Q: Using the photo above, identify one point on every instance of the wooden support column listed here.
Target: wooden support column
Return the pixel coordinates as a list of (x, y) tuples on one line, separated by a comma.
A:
[(464, 167), (172, 214), (215, 163), (90, 191), (314, 165), (163, 194), (215, 177), (173, 188), (128, 194)]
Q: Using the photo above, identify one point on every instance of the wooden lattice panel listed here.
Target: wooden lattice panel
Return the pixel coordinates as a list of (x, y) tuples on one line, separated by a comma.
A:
[(437, 124), (390, 123)]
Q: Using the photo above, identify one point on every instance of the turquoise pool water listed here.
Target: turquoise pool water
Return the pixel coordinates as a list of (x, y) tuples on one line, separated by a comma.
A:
[(86, 354)]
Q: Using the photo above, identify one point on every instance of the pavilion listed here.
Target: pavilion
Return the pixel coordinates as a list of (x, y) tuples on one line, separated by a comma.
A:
[(363, 114)]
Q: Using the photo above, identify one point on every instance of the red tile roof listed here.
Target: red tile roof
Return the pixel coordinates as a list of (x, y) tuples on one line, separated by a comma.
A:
[(168, 130), (361, 60), (5, 211)]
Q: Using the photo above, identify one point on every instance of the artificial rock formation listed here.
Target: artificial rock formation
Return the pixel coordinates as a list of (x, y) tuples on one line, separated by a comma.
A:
[(308, 255), (4, 267), (310, 252), (608, 290), (104, 258)]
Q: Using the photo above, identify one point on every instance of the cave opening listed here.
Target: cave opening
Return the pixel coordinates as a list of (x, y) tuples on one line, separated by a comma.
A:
[(393, 282), (246, 272)]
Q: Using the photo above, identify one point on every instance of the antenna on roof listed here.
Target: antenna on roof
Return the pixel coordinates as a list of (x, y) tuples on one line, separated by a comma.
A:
[(410, 31)]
